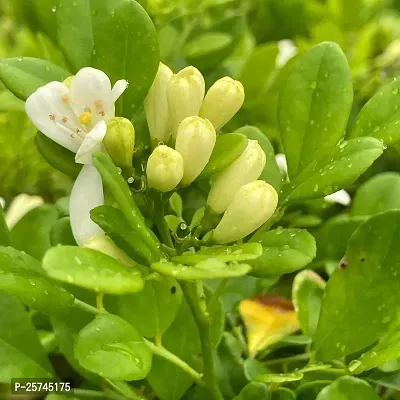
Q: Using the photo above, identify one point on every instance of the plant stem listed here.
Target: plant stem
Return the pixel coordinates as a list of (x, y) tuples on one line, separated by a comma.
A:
[(216, 295), (99, 301), (203, 324), (164, 353), (162, 227), (86, 307)]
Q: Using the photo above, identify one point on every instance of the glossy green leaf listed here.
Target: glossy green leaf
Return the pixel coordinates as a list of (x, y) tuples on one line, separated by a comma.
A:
[(271, 172), (284, 251), (21, 354), (347, 162), (364, 292), (241, 252), (57, 156), (61, 233), (254, 391), (116, 36), (92, 270), (334, 235), (307, 292), (24, 75), (310, 390), (113, 222), (210, 268), (283, 394), (32, 232), (227, 149), (314, 106), (8, 102), (380, 193), (112, 348), (280, 378), (152, 310), (380, 121), (22, 276), (387, 349), (253, 368), (348, 388), (175, 202), (206, 44), (4, 233)]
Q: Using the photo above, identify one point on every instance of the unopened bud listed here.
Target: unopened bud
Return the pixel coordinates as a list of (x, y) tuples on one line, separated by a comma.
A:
[(156, 106), (105, 245), (185, 95), (195, 141), (120, 141), (252, 205), (164, 168), (246, 168), (223, 100)]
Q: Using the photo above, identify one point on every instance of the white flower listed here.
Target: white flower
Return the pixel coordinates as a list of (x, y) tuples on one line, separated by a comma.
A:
[(282, 163), (287, 50), (339, 197), (73, 114), (2, 202), (19, 206)]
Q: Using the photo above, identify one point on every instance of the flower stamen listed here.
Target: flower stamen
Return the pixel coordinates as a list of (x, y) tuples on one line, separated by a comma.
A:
[(99, 104), (52, 117)]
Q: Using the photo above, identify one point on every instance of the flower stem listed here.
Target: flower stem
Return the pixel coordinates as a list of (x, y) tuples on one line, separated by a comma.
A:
[(99, 301), (203, 324), (164, 353), (162, 227)]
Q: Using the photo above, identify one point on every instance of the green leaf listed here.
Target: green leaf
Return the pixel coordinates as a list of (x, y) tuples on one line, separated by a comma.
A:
[(112, 348), (116, 36), (4, 233), (348, 161), (21, 354), (176, 204), (114, 223), (152, 310), (241, 252), (381, 115), (364, 292), (307, 292), (92, 270), (22, 276), (24, 75), (32, 232), (380, 193), (348, 388), (211, 268), (206, 44), (280, 378), (271, 172), (227, 149), (254, 391), (284, 251), (334, 235), (314, 105), (57, 156), (253, 368), (61, 233), (8, 102), (283, 394)]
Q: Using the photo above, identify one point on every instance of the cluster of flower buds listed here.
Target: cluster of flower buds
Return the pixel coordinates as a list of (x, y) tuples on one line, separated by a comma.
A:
[(179, 112)]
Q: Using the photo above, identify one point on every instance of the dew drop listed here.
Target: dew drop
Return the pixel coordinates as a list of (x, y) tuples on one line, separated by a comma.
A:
[(395, 91), (376, 129), (316, 188), (313, 85), (54, 9), (354, 365)]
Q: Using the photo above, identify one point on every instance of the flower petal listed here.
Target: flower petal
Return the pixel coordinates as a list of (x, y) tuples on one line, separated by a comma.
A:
[(20, 206), (91, 143), (119, 88), (86, 194), (91, 92), (339, 197), (53, 116)]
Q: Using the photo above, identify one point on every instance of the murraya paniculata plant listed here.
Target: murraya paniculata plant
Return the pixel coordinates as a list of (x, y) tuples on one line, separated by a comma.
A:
[(175, 268)]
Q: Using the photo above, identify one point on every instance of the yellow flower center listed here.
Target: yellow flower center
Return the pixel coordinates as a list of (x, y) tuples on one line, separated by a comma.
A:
[(85, 118)]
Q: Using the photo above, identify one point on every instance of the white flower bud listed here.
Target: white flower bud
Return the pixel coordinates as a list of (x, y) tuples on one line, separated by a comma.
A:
[(120, 141), (21, 205), (105, 245), (223, 100), (156, 106), (185, 95), (246, 168), (164, 168), (252, 205), (195, 141)]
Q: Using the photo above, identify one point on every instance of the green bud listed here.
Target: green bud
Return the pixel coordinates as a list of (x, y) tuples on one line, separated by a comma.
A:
[(164, 168), (105, 245), (120, 141), (252, 205)]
